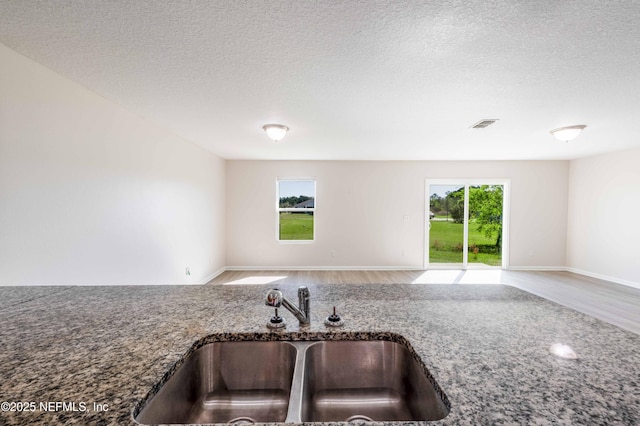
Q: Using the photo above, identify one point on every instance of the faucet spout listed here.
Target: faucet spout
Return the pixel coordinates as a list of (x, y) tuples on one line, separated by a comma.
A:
[(275, 299)]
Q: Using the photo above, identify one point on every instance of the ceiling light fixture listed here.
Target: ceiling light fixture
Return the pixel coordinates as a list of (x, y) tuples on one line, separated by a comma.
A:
[(275, 131), (565, 134)]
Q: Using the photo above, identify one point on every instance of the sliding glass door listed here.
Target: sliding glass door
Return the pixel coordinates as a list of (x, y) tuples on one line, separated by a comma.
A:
[(466, 224)]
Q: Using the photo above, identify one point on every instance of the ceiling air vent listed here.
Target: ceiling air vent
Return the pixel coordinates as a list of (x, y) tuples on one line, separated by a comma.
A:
[(484, 123)]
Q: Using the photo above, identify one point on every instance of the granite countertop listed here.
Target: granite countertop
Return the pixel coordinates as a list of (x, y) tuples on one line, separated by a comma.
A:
[(90, 354)]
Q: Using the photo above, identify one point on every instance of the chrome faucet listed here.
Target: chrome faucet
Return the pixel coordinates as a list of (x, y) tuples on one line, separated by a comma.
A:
[(275, 299)]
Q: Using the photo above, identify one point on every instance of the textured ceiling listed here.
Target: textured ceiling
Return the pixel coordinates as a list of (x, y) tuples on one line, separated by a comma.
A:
[(353, 79)]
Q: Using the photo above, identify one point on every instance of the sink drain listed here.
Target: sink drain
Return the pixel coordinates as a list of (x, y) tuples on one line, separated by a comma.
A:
[(359, 417), (241, 421)]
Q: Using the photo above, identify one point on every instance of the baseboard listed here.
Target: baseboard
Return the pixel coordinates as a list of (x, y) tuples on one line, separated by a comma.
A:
[(603, 277), (324, 268), (374, 268), (212, 276)]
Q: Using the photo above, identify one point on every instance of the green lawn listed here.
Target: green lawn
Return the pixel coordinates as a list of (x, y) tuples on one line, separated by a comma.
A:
[(296, 226), (445, 244)]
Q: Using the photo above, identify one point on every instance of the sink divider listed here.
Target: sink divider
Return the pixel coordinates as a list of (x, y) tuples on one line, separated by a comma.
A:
[(294, 412)]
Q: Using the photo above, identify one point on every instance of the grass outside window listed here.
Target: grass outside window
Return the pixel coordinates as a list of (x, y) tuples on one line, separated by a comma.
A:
[(445, 244), (296, 226)]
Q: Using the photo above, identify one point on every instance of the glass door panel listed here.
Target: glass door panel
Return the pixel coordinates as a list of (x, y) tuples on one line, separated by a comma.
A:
[(446, 226), (485, 226)]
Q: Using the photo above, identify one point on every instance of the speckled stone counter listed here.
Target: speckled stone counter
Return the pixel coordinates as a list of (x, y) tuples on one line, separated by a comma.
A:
[(100, 350)]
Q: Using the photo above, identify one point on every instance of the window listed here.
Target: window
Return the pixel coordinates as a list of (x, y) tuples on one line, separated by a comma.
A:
[(296, 205)]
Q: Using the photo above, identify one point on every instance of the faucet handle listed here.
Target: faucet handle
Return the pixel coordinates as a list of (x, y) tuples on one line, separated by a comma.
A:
[(276, 322), (334, 320), (274, 298)]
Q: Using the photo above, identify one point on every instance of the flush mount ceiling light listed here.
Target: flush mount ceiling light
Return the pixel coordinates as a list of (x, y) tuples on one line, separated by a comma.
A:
[(568, 133), (275, 131)]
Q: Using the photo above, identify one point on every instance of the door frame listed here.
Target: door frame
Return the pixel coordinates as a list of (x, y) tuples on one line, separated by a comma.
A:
[(467, 182)]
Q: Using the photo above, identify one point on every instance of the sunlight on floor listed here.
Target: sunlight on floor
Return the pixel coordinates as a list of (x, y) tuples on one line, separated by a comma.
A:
[(493, 276), (256, 280)]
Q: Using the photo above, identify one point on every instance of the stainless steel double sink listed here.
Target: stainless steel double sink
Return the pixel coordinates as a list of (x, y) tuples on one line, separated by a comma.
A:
[(297, 381)]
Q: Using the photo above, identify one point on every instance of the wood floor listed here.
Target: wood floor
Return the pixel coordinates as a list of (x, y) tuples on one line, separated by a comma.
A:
[(614, 303)]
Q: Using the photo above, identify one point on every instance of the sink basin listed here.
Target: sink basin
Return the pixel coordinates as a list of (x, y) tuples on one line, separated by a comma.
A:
[(366, 380), (226, 382), (376, 378)]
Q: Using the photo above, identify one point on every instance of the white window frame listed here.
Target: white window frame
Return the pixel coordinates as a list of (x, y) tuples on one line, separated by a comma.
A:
[(289, 209)]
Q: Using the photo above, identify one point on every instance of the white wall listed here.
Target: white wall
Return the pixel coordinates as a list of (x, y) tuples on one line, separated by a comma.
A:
[(361, 205), (604, 203), (93, 194)]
